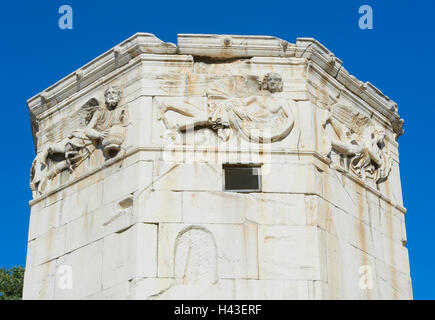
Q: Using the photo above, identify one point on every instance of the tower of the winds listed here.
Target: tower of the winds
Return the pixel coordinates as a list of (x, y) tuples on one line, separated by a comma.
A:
[(223, 167)]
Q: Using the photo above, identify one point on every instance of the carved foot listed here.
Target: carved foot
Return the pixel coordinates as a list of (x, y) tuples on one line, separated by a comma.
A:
[(334, 166), (327, 118), (161, 110), (224, 134), (172, 134)]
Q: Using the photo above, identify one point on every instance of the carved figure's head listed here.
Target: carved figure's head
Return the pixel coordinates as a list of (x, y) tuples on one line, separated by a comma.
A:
[(112, 96), (379, 135), (272, 82)]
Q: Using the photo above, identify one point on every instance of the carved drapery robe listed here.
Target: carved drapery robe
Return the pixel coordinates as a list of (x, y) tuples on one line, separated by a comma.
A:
[(257, 119)]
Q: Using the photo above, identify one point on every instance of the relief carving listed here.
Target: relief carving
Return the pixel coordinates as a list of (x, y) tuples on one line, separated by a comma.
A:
[(100, 128), (360, 144), (195, 265), (240, 105), (195, 256)]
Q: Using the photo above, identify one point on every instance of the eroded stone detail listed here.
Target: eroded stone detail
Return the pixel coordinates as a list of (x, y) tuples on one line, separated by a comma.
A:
[(195, 265), (360, 144), (195, 256), (100, 128), (244, 105)]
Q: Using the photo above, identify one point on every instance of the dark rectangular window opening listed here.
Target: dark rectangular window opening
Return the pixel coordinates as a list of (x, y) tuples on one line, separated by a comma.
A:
[(242, 178)]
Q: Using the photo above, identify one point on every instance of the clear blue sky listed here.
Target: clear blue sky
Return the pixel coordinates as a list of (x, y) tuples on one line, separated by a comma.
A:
[(397, 56)]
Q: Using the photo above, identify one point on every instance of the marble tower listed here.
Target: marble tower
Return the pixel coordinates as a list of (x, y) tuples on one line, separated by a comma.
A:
[(223, 167)]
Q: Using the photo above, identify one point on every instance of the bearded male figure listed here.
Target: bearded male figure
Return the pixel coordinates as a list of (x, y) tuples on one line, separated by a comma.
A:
[(263, 117), (103, 126)]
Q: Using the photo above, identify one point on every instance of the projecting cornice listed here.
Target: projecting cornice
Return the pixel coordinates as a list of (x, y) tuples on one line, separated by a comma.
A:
[(213, 47), (314, 51)]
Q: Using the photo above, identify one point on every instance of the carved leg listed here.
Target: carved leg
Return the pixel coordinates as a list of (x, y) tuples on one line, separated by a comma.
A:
[(345, 148), (59, 167), (326, 146), (51, 149), (174, 130)]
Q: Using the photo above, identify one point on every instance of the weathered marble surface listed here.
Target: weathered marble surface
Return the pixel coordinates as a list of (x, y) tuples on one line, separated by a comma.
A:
[(128, 176)]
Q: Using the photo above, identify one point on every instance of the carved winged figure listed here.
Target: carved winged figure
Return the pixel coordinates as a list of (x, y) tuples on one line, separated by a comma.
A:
[(98, 126), (249, 107), (360, 143)]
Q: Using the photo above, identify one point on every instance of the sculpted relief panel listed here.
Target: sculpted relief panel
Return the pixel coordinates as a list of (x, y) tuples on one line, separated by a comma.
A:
[(149, 164), (100, 127), (360, 145), (231, 107), (241, 105)]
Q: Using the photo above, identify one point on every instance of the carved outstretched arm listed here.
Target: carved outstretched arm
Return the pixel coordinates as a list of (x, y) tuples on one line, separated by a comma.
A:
[(249, 100), (269, 105)]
